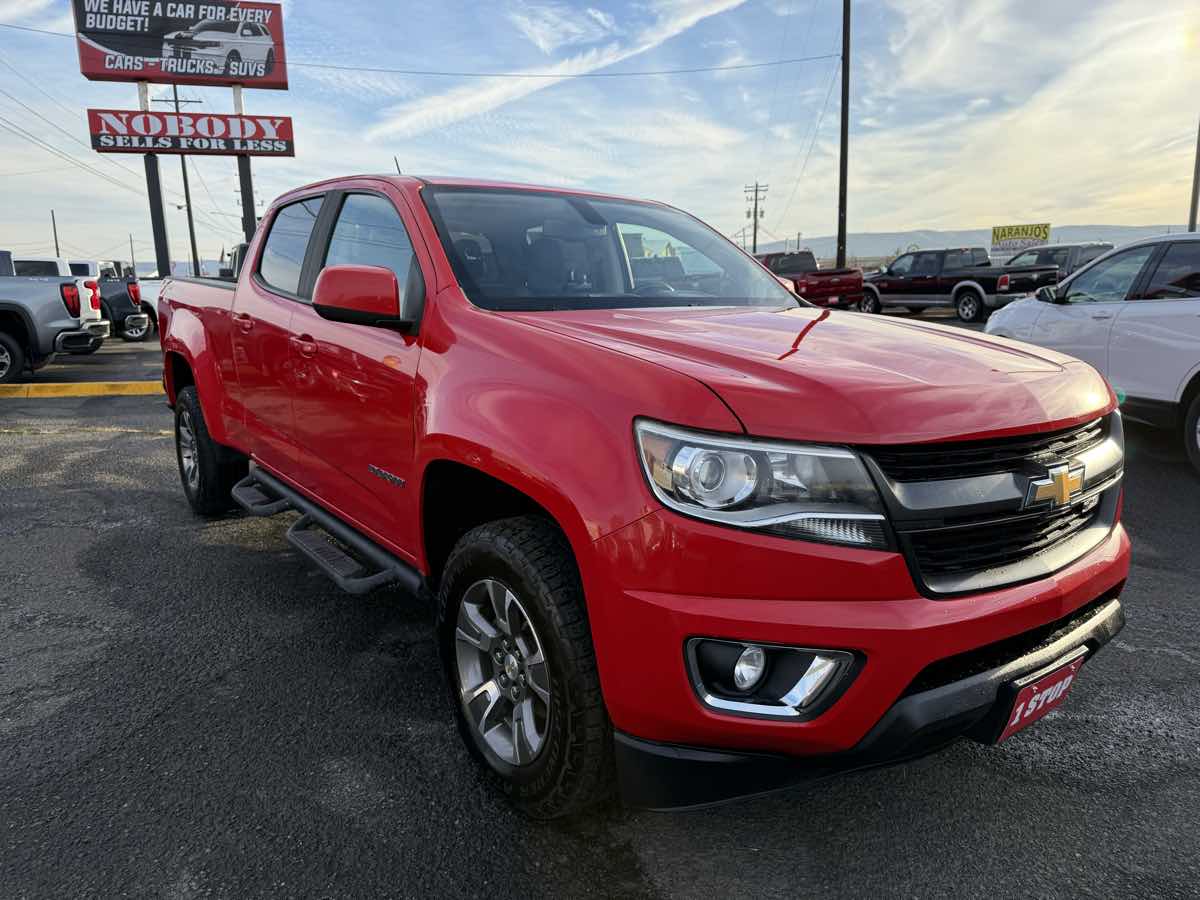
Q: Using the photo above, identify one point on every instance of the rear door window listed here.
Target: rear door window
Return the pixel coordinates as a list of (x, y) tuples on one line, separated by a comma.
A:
[(926, 264), (35, 268), (1178, 274), (287, 242)]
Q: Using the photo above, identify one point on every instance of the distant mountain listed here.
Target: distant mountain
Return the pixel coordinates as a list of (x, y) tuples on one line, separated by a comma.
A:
[(887, 243)]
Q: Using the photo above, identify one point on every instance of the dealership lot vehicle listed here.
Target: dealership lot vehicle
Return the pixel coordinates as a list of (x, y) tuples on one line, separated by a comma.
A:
[(120, 297), (91, 307), (962, 278), (217, 677), (1134, 314), (1067, 257), (238, 48), (837, 288), (402, 361), (40, 315)]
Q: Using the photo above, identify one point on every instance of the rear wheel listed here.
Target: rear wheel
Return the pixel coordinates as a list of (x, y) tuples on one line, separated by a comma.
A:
[(207, 470), (969, 306), (232, 60), (136, 335), (12, 359), (522, 670), (269, 65), (1191, 432), (870, 303)]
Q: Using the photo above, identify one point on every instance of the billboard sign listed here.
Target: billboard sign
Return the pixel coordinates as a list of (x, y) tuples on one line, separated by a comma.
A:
[(1014, 238), (138, 131), (213, 43)]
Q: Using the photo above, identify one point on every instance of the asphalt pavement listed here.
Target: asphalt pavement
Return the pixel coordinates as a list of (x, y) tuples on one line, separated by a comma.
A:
[(188, 710), (117, 360)]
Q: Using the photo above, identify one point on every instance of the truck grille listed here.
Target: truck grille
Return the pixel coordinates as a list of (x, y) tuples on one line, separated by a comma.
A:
[(968, 459), (996, 542)]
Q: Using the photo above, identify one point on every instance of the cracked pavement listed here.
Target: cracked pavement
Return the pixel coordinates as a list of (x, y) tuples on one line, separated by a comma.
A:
[(187, 710)]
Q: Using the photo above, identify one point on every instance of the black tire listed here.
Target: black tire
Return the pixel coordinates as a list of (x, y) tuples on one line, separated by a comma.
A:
[(233, 57), (12, 359), (269, 65), (870, 303), (969, 306), (217, 468), (1191, 433), (573, 770)]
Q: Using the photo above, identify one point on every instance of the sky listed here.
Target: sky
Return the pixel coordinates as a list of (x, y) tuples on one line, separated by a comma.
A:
[(963, 113)]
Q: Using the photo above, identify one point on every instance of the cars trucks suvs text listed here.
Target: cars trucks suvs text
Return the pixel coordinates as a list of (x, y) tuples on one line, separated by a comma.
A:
[(687, 533)]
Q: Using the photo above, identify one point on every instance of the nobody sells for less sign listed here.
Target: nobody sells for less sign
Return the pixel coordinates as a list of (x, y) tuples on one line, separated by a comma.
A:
[(137, 131)]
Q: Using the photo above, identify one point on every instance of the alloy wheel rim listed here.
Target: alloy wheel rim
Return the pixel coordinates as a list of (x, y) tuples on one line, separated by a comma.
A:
[(503, 679), (968, 307), (187, 451), (5, 361), (137, 332)]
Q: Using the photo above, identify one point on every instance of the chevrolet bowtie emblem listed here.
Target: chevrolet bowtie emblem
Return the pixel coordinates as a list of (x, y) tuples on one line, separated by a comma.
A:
[(1056, 489)]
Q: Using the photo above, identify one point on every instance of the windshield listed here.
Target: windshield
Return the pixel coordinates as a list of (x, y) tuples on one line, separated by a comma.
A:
[(525, 250)]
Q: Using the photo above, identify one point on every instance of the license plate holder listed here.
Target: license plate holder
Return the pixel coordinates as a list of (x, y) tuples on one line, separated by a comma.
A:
[(1035, 695)]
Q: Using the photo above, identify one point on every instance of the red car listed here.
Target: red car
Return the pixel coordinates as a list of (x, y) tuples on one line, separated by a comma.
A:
[(835, 288), (685, 532)]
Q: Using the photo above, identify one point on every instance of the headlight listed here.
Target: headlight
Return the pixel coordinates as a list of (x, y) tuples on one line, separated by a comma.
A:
[(793, 490)]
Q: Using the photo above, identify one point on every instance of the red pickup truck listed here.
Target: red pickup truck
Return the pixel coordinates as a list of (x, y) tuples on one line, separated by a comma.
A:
[(687, 534), (835, 288)]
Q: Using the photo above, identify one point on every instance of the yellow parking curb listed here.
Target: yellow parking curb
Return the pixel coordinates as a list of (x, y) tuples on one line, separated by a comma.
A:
[(82, 389)]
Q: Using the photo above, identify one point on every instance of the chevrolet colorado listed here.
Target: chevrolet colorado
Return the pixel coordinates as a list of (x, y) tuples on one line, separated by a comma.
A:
[(963, 278), (698, 539)]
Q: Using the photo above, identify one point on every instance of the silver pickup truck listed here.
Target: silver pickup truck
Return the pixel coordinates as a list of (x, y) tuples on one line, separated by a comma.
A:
[(40, 316)]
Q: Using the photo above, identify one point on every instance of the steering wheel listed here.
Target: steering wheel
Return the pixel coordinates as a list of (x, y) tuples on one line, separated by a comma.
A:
[(653, 288)]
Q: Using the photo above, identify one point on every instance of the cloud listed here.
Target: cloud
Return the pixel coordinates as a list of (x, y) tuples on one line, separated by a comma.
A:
[(672, 18), (16, 10), (552, 25)]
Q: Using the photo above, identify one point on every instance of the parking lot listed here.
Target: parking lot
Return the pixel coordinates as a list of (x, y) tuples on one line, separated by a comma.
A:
[(186, 709)]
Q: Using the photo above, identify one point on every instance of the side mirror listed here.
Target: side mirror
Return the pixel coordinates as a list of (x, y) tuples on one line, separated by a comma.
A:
[(885, 269), (367, 295)]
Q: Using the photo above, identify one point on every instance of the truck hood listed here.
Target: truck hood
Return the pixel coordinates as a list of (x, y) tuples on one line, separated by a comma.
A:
[(844, 377)]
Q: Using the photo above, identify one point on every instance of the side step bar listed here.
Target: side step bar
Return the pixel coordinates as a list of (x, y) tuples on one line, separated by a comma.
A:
[(261, 494)]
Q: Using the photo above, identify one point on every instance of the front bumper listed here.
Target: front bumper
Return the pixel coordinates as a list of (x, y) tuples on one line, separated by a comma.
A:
[(664, 776), (665, 578)]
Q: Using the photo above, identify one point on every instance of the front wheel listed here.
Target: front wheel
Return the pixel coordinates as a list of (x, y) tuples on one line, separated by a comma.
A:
[(1191, 432), (518, 655), (969, 306), (870, 303)]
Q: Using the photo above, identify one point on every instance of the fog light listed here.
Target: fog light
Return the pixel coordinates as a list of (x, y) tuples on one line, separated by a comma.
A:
[(750, 667)]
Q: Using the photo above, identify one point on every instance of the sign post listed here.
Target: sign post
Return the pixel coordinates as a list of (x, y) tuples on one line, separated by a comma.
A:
[(158, 218), (249, 220)]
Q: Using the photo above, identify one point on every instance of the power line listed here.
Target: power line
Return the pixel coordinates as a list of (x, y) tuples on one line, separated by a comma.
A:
[(453, 74), (816, 130)]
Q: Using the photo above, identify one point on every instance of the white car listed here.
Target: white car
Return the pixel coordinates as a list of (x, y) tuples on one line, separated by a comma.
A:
[(1134, 314), (236, 49)]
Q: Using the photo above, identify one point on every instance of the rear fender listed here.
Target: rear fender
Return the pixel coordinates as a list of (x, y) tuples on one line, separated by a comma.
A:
[(188, 340)]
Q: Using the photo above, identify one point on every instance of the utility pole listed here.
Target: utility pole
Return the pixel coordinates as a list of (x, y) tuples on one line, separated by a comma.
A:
[(187, 192), (754, 193), (844, 162), (54, 228), (1195, 187)]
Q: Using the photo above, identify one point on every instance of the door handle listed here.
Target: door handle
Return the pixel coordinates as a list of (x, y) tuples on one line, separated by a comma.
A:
[(1099, 316), (244, 322), (304, 345)]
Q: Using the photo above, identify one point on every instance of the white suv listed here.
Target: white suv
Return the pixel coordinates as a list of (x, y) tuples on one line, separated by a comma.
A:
[(1134, 314)]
